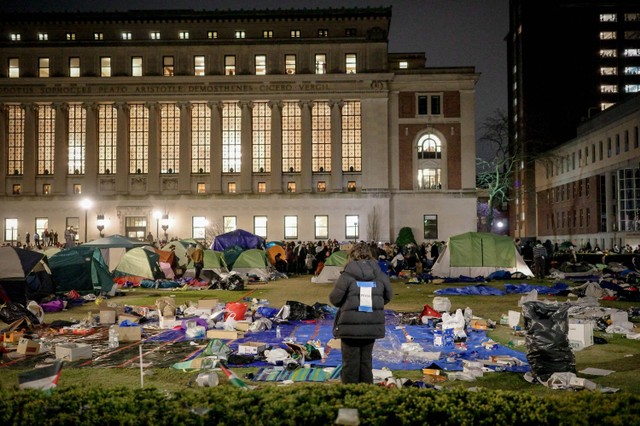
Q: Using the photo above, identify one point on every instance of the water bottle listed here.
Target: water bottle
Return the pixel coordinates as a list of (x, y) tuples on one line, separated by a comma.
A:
[(278, 334), (113, 337)]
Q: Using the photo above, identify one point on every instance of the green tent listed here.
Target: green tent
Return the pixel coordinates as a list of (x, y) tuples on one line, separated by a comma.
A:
[(213, 261), (475, 254), (80, 268), (139, 262), (253, 262), (337, 258), (333, 267)]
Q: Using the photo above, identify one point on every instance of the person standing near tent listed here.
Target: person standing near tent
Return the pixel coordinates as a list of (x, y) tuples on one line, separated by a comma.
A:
[(197, 255), (539, 259), (360, 294), (36, 239)]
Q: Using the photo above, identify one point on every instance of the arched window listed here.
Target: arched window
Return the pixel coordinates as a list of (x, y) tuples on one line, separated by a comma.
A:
[(429, 146)]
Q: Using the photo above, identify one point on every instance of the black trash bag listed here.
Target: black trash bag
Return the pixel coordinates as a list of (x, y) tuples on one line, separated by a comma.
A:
[(13, 311), (231, 282), (548, 349), (300, 311)]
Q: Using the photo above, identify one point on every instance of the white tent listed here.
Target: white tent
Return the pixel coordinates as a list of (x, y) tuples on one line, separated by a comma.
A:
[(474, 254), (333, 267)]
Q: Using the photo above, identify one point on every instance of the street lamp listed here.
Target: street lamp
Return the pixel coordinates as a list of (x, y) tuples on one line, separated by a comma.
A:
[(165, 225), (157, 215), (100, 224), (86, 205)]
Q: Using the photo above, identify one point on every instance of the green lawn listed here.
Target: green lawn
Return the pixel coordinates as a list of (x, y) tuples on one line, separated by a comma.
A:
[(619, 354)]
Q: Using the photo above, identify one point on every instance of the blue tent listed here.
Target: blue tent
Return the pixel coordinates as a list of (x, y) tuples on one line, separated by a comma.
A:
[(239, 237)]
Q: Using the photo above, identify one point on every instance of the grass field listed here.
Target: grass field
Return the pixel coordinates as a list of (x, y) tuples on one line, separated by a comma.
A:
[(619, 354)]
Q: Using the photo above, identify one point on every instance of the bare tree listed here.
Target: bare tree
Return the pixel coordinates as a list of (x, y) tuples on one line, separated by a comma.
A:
[(496, 174), (373, 228), (211, 232)]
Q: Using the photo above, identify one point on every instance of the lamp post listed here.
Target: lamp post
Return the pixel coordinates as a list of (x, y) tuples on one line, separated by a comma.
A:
[(165, 225), (100, 224), (157, 215), (86, 205)]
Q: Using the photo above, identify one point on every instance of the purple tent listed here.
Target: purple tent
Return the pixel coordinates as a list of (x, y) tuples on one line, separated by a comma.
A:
[(240, 238)]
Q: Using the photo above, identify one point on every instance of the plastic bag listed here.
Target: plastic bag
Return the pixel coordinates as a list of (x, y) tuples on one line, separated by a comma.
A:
[(12, 311), (300, 311), (548, 349)]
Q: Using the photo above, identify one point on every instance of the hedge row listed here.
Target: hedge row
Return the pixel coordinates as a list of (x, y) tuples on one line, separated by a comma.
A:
[(312, 405)]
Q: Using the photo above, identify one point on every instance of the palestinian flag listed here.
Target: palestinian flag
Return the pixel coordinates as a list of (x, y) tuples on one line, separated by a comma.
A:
[(43, 378)]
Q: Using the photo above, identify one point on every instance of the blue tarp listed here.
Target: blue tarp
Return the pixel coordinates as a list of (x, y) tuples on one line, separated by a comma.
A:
[(541, 289), (472, 290), (240, 238)]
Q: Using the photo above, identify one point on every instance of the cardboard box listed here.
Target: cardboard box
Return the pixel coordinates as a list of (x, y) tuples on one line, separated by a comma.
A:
[(169, 322), (28, 347), (251, 348), (243, 325), (580, 335), (108, 316), (224, 334), (129, 334), (13, 336), (128, 317), (208, 303), (73, 351)]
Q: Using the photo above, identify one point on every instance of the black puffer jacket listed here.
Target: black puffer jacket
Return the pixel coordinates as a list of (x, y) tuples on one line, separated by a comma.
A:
[(349, 322)]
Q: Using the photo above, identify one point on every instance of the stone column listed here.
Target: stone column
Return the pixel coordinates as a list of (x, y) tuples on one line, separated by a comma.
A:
[(336, 146), (153, 169), (29, 172), (276, 146), (91, 149), (306, 175), (61, 158), (184, 178), (4, 147), (216, 147), (122, 152), (246, 159)]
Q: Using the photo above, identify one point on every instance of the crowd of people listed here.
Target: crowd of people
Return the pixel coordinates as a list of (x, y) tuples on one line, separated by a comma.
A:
[(49, 238)]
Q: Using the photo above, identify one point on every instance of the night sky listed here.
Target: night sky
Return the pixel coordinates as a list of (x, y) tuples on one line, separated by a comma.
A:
[(450, 32)]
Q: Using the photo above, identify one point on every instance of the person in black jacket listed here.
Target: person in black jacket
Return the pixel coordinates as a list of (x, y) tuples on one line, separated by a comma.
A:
[(360, 293)]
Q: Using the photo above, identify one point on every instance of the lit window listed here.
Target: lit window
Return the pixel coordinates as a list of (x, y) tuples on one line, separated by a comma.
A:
[(261, 64), (429, 104), (632, 70), (77, 188), (231, 137), (212, 34), (17, 189), (631, 53), (126, 35), (70, 36), (74, 67), (138, 139), (291, 187), (608, 71), (632, 88), (183, 35), (199, 227), (15, 37), (267, 34), (403, 65), (351, 137), (291, 137), (632, 17), (201, 188), (167, 66), (231, 187), (430, 226), (632, 35), (230, 65), (295, 33), (77, 139), (321, 186), (430, 178), (46, 189), (98, 36), (154, 35), (321, 227), (43, 36), (291, 227), (429, 147), (240, 34), (200, 138), (43, 67), (229, 223), (321, 63), (351, 186), (11, 230), (321, 137), (260, 226), (198, 65), (607, 35), (350, 63), (107, 139), (352, 230), (45, 142), (15, 130), (608, 88), (323, 32), (169, 138), (261, 137), (290, 64), (608, 53), (608, 17), (14, 67), (136, 66), (105, 66), (262, 187)]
